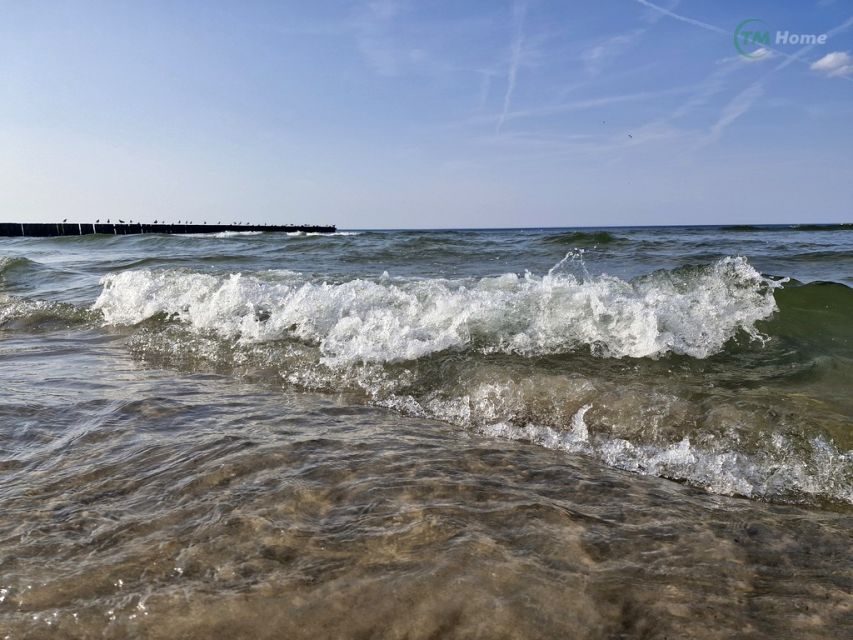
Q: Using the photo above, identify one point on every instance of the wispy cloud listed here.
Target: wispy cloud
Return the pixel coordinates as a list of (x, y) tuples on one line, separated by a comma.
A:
[(736, 108), (372, 37), (519, 11), (600, 54), (596, 57)]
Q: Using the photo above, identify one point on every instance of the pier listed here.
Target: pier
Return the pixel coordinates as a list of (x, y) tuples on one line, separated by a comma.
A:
[(52, 230)]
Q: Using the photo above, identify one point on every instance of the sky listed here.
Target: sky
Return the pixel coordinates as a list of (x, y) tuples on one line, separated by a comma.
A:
[(426, 114)]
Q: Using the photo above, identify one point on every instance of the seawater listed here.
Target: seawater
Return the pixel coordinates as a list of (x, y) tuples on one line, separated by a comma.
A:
[(634, 432)]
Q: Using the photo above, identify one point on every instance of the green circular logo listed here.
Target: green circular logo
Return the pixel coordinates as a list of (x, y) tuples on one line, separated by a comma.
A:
[(751, 39)]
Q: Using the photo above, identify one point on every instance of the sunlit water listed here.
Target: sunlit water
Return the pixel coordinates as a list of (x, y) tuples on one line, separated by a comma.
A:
[(512, 434)]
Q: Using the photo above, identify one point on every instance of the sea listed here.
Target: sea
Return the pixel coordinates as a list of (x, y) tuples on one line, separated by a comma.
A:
[(640, 432)]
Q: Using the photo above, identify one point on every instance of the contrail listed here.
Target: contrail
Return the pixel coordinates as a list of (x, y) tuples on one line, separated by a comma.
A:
[(518, 12), (671, 14)]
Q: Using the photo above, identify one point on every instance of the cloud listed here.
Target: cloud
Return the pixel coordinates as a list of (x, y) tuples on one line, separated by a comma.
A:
[(596, 57), (739, 105), (762, 54), (837, 63)]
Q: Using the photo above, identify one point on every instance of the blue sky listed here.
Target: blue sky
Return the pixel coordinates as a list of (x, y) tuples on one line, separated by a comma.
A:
[(398, 113)]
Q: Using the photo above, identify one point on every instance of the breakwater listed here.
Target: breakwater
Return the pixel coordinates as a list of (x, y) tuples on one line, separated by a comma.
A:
[(50, 229)]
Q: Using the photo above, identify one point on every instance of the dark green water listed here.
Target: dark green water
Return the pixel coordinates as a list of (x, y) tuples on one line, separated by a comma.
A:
[(529, 433)]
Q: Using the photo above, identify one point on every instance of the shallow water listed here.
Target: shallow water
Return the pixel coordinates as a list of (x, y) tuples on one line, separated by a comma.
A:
[(441, 434)]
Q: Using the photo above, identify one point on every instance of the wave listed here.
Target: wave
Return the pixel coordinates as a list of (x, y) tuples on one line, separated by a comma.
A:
[(10, 264), (690, 311), (619, 370), (231, 234), (817, 314), (21, 314), (584, 238)]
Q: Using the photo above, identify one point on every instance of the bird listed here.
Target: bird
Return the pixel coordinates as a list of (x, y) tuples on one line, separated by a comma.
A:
[(65, 219), (155, 222), (121, 221), (97, 221), (630, 136), (108, 220)]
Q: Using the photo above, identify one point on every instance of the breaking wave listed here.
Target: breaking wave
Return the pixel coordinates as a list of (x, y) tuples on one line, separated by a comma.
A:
[(235, 234), (692, 311), (622, 371)]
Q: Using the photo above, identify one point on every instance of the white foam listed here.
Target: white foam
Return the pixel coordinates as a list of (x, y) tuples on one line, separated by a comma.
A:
[(386, 321), (324, 233), (728, 472), (233, 234)]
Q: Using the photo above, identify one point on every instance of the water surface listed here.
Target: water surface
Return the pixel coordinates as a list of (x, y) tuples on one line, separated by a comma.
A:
[(522, 433)]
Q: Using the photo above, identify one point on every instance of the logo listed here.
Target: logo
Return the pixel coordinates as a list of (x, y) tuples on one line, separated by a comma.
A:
[(752, 38)]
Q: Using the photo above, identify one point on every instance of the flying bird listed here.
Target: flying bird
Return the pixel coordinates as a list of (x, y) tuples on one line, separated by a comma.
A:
[(630, 136)]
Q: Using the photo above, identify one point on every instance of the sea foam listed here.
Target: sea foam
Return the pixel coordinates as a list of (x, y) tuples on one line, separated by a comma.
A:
[(693, 312)]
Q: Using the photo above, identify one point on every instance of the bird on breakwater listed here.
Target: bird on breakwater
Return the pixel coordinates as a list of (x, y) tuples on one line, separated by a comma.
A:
[(108, 220), (65, 219), (97, 221), (121, 221)]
